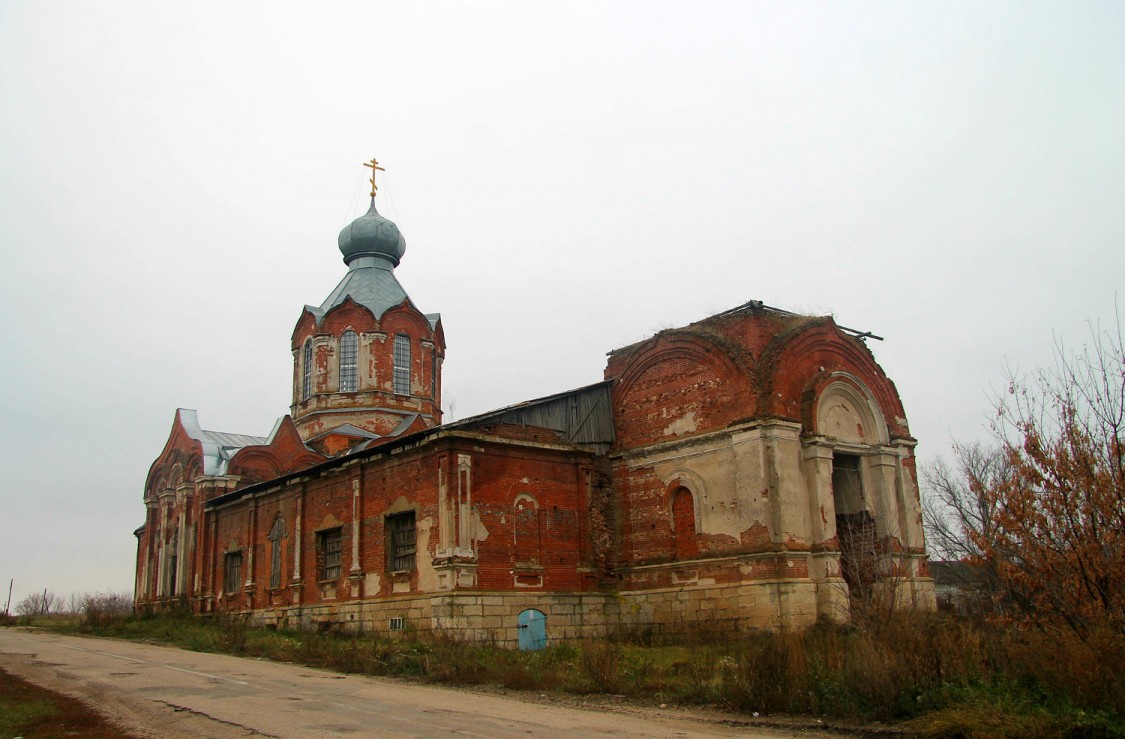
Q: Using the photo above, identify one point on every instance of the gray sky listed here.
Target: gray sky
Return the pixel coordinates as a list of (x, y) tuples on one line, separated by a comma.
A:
[(569, 177)]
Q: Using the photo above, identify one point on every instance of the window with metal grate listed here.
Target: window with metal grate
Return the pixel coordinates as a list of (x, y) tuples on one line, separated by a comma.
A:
[(349, 351), (329, 545), (307, 361), (400, 534), (402, 365), (232, 571)]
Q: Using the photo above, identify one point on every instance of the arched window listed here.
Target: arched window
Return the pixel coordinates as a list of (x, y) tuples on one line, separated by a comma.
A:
[(402, 365), (683, 521), (306, 362), (349, 351)]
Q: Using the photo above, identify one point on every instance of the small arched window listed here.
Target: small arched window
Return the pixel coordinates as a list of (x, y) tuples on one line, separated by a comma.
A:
[(402, 365), (307, 361), (349, 351), (683, 522)]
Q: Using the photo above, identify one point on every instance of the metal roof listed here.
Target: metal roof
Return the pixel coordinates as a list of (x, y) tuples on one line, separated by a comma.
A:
[(225, 439), (218, 446), (371, 282), (347, 430), (583, 415)]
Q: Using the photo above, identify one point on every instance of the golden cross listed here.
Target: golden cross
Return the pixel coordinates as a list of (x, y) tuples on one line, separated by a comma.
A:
[(374, 164)]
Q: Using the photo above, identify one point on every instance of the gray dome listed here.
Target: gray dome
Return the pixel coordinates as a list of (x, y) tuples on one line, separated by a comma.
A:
[(372, 235)]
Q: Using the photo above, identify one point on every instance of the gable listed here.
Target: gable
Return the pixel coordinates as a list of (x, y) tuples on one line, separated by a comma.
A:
[(680, 385)]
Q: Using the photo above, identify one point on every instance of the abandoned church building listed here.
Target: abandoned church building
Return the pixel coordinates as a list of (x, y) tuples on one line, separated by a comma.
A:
[(752, 469)]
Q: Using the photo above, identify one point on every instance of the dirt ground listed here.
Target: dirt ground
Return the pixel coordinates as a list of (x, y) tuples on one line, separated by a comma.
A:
[(149, 690), (32, 712)]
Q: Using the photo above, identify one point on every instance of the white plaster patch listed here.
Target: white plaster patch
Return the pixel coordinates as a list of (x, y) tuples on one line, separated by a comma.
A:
[(480, 533), (683, 425), (371, 584), (427, 578)]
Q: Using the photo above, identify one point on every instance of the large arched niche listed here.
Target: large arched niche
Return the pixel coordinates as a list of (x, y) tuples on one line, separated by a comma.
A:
[(306, 328), (255, 465), (847, 411), (348, 314), (676, 385), (798, 367)]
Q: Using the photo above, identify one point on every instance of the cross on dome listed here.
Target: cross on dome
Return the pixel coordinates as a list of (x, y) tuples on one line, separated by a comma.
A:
[(374, 165)]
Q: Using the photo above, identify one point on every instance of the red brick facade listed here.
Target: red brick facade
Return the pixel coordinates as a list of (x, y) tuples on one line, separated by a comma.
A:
[(709, 479)]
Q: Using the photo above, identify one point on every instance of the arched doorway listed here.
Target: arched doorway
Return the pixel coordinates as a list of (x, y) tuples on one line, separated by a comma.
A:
[(532, 630)]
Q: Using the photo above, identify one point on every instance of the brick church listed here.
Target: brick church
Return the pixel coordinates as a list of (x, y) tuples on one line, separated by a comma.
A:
[(752, 469)]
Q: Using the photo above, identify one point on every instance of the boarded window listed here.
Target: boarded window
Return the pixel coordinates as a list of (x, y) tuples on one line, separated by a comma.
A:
[(277, 533), (400, 535), (349, 351), (329, 545), (232, 571), (402, 365)]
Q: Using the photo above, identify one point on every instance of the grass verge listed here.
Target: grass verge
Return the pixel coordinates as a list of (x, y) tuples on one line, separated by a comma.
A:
[(31, 712)]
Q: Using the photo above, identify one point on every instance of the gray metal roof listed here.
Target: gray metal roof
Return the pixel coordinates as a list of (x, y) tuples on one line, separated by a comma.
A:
[(581, 416), (371, 282), (372, 235), (348, 430), (225, 439), (218, 446)]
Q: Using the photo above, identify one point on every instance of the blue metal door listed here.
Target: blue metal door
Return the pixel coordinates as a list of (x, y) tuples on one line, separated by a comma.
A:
[(532, 630)]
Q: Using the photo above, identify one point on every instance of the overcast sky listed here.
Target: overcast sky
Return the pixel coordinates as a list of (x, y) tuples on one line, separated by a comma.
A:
[(569, 177)]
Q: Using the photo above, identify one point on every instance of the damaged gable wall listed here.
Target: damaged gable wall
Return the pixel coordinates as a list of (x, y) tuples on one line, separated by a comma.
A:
[(730, 428)]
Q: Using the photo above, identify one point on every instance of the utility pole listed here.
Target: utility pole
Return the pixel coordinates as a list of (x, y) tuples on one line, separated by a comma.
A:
[(9, 603)]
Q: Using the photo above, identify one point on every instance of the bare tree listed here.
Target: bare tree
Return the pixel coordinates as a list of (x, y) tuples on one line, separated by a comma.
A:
[(956, 509), (100, 609), (74, 602), (38, 604)]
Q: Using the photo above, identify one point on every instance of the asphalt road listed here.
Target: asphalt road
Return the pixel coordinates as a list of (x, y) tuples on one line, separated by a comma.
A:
[(166, 692)]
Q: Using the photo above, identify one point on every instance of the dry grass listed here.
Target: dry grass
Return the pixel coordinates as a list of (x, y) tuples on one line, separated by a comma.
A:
[(942, 676)]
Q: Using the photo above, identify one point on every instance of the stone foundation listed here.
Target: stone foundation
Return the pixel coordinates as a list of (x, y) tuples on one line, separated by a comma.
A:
[(492, 616)]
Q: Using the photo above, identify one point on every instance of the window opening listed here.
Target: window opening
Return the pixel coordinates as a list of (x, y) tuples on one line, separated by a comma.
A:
[(232, 571), (329, 550), (855, 527), (349, 351), (307, 360), (400, 534), (402, 365)]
